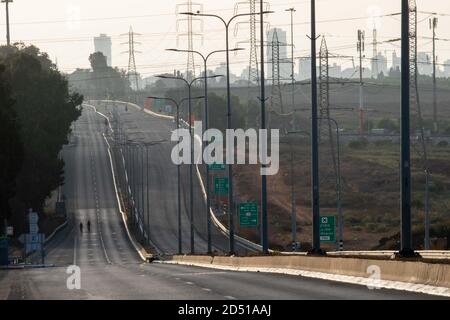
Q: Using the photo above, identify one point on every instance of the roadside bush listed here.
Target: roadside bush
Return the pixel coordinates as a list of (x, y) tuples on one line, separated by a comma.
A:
[(383, 143), (360, 144)]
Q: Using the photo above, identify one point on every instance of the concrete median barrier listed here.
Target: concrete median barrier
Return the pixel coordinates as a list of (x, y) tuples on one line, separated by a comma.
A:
[(412, 272)]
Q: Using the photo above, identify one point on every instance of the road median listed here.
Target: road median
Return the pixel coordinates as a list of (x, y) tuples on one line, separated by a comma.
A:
[(417, 276)]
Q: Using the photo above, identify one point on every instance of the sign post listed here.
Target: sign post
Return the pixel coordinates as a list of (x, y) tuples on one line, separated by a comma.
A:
[(217, 167), (248, 215), (328, 229), (221, 185)]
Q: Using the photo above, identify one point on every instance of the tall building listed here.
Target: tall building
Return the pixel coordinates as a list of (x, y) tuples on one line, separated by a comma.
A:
[(396, 62), (335, 71), (103, 44), (285, 63), (382, 64), (424, 63), (447, 68), (304, 69)]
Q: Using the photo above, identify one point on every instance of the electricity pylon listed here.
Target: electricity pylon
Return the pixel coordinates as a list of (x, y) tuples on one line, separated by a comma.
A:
[(133, 76), (253, 76), (189, 33), (420, 144)]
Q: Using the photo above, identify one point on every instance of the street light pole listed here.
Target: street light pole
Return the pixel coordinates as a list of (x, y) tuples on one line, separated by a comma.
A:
[(206, 127), (191, 167), (229, 116), (8, 36), (316, 249), (148, 200), (178, 104), (406, 235), (264, 226)]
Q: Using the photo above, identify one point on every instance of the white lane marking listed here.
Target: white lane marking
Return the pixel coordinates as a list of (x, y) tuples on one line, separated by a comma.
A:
[(202, 273), (141, 255), (189, 283), (75, 249), (230, 298), (206, 289)]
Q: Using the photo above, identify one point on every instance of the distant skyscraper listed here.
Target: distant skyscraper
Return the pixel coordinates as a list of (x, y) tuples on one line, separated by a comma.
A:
[(304, 69), (382, 64), (103, 44), (396, 61), (447, 68), (335, 71), (424, 63)]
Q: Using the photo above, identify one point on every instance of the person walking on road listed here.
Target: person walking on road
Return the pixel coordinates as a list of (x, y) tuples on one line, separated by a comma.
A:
[(81, 227), (89, 225)]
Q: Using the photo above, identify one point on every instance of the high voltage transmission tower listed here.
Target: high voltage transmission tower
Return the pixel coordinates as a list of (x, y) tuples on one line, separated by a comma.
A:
[(253, 76), (189, 33), (419, 144), (277, 107), (133, 76), (277, 97)]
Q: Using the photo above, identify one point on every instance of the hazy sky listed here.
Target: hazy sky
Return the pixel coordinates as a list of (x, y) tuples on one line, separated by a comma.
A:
[(65, 28)]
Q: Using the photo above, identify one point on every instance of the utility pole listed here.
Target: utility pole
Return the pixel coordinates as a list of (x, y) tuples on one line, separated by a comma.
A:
[(433, 26), (265, 229), (406, 249), (8, 35), (361, 49), (314, 138)]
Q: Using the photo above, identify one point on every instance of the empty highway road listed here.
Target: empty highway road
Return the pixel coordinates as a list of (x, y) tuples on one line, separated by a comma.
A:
[(111, 268)]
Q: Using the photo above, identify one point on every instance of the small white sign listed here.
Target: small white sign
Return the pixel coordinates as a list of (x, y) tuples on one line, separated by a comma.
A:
[(34, 229), (10, 231), (33, 218)]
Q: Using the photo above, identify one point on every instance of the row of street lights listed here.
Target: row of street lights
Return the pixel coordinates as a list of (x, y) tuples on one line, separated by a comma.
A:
[(406, 242), (206, 127)]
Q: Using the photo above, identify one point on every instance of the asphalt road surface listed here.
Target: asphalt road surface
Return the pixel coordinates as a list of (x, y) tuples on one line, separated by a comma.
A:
[(111, 269)]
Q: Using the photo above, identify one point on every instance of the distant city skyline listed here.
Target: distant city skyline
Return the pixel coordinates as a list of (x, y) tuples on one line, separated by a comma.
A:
[(73, 24)]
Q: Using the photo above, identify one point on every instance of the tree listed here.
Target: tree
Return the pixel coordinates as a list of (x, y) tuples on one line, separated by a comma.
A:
[(98, 61), (45, 110), (106, 80), (11, 154), (388, 124)]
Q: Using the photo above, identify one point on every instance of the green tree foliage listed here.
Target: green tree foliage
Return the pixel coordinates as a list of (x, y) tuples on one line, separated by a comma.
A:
[(45, 110), (388, 124), (11, 155), (101, 81)]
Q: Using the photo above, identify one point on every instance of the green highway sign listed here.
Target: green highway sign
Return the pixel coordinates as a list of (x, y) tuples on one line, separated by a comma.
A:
[(217, 167), (248, 215), (221, 185), (328, 229)]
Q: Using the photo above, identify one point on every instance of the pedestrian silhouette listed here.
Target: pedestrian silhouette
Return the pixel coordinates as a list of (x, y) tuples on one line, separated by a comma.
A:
[(81, 227)]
